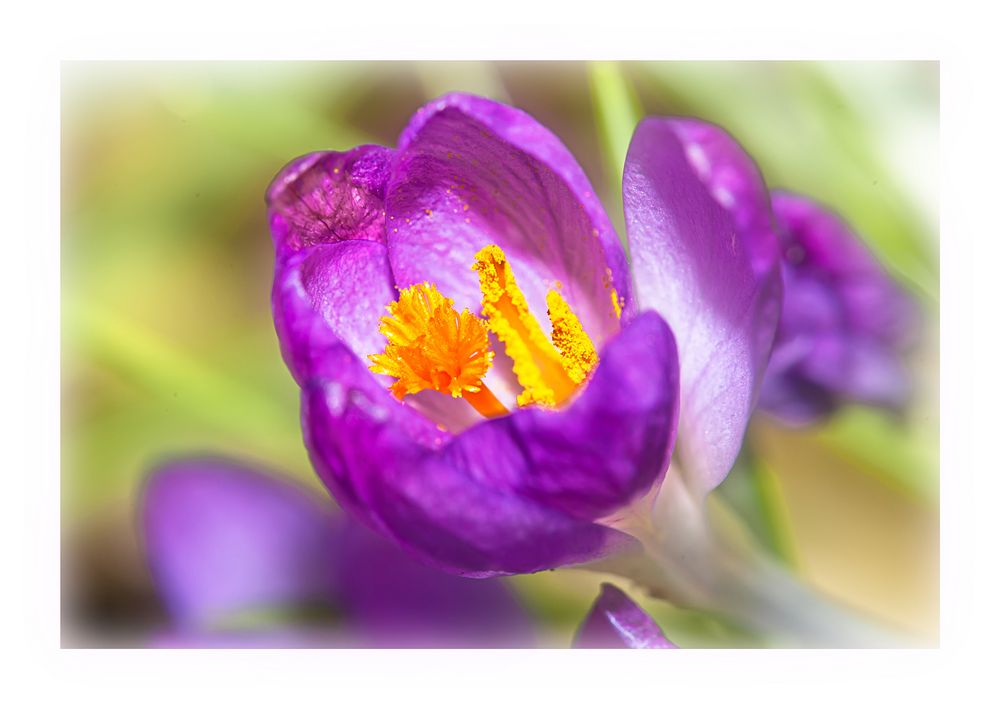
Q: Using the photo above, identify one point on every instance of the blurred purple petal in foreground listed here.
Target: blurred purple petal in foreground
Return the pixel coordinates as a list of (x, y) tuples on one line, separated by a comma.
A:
[(226, 542), (616, 621)]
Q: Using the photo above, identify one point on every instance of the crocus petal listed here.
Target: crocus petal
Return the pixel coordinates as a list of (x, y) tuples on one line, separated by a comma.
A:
[(603, 450), (391, 467), (692, 266), (222, 539), (844, 326), (331, 293), (391, 600), (332, 279), (615, 621), (326, 197), (472, 172), (736, 183)]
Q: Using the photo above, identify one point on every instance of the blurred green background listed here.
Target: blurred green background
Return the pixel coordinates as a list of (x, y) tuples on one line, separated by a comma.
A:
[(168, 345)]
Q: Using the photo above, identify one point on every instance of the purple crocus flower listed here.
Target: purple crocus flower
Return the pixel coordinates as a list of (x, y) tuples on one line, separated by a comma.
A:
[(616, 621), (502, 448), (225, 541), (844, 326)]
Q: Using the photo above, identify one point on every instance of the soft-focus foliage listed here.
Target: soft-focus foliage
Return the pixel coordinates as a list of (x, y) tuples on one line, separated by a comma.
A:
[(169, 344)]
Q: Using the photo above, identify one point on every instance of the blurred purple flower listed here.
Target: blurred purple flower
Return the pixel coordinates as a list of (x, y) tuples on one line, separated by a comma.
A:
[(845, 324), (616, 621), (226, 543), (533, 489)]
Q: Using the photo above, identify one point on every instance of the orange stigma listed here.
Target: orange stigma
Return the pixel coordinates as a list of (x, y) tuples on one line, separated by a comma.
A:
[(433, 346)]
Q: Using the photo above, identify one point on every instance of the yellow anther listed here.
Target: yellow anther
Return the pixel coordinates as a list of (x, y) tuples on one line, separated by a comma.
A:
[(537, 364), (433, 346), (578, 354)]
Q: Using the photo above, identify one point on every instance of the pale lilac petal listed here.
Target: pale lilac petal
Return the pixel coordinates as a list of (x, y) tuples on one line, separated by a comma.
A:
[(615, 621), (737, 184), (472, 172), (692, 266)]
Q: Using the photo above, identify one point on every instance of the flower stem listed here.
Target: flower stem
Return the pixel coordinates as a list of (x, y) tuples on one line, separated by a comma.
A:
[(685, 561)]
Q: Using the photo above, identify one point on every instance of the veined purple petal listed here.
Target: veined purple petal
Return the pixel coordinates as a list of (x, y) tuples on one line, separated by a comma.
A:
[(330, 293), (332, 279), (391, 467), (472, 172), (605, 448), (690, 263), (845, 323), (223, 539), (326, 197), (615, 621)]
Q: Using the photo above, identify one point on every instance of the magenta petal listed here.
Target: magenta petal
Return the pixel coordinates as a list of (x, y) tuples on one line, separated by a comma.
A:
[(472, 172), (615, 621), (692, 266), (327, 197), (221, 539), (331, 293), (391, 467), (331, 279), (605, 448)]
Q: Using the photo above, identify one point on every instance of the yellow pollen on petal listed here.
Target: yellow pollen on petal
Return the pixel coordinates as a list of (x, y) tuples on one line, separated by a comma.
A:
[(433, 346), (537, 364), (578, 354), (616, 304)]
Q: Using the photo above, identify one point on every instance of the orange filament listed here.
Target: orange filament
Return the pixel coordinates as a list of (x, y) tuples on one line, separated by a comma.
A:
[(433, 346)]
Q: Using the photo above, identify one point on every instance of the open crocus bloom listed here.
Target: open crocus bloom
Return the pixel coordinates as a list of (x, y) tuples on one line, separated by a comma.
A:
[(244, 558), (503, 443), (481, 381), (484, 382)]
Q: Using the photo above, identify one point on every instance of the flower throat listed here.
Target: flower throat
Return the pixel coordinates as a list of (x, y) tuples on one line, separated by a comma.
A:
[(433, 346)]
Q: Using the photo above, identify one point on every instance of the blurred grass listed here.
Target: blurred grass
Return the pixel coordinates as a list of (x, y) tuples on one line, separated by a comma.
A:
[(168, 344)]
